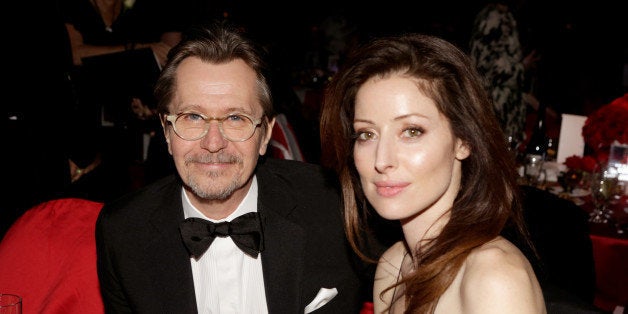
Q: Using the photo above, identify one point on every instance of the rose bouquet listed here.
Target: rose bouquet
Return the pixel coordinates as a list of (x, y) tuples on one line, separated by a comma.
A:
[(607, 124), (603, 127), (579, 170), (577, 163)]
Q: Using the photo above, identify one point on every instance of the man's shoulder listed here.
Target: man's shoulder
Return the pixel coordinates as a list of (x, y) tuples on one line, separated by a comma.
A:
[(139, 201), (295, 170), (297, 176), (278, 163), (311, 186)]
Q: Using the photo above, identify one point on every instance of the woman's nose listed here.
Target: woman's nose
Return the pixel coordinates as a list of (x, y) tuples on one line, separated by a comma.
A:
[(385, 155)]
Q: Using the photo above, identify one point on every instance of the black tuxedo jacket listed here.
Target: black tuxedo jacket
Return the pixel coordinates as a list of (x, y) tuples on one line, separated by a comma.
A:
[(143, 266)]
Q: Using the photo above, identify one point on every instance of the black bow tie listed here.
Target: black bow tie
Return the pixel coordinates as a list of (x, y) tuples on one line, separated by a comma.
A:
[(245, 231)]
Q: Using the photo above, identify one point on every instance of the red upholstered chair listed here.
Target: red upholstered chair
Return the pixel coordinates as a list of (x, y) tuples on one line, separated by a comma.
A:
[(283, 143), (48, 257), (611, 255)]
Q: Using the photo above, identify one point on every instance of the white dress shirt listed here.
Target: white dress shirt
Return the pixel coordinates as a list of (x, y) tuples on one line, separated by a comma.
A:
[(227, 281)]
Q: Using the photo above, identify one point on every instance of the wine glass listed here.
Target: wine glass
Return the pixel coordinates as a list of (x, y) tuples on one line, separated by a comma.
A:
[(533, 170), (551, 149), (10, 304), (604, 184), (514, 143)]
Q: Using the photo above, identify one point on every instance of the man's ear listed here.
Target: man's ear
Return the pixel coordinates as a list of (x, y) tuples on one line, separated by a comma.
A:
[(164, 126), (267, 136)]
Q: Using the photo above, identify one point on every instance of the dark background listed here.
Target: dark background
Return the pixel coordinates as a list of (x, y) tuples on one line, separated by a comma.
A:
[(584, 45)]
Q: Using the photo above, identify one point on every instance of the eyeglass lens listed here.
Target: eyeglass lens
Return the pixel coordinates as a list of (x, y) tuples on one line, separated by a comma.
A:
[(235, 127)]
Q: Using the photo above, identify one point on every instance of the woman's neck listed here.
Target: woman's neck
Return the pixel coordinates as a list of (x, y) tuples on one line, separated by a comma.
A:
[(108, 10), (423, 227)]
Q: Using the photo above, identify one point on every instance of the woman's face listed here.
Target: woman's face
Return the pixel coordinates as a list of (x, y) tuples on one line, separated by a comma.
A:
[(405, 152)]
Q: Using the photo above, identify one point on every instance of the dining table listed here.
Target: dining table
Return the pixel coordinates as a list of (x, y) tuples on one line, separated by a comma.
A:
[(609, 241), (610, 255)]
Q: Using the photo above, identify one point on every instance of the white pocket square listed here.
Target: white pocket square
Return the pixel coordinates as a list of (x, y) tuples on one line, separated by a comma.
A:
[(322, 297)]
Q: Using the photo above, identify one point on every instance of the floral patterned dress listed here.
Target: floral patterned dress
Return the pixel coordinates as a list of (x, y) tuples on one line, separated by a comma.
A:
[(497, 54)]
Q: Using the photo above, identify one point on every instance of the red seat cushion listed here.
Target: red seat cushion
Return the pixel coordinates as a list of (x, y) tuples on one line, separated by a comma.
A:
[(48, 257)]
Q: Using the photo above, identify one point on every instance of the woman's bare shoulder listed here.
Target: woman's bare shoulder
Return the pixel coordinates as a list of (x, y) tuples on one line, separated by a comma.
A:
[(498, 276), (394, 254), (390, 261), (497, 256)]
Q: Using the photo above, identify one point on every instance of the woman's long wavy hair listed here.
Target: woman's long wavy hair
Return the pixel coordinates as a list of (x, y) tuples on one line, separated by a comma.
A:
[(488, 198)]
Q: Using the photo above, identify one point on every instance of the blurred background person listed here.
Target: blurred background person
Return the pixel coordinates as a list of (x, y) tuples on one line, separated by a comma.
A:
[(156, 162), (99, 27), (117, 50), (499, 56)]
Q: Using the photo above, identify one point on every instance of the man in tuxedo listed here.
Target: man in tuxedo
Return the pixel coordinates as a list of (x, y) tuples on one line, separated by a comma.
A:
[(231, 232)]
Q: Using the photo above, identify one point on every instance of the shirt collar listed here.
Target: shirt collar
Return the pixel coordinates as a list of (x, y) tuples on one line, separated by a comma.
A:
[(248, 204)]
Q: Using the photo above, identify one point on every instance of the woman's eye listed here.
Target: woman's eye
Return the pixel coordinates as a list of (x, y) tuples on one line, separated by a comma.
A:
[(412, 132), (365, 136)]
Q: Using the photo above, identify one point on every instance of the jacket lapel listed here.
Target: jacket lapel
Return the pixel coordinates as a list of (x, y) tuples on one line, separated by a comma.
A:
[(284, 241), (166, 256)]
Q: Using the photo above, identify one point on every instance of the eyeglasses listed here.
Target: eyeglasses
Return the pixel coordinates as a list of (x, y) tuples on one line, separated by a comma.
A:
[(193, 126)]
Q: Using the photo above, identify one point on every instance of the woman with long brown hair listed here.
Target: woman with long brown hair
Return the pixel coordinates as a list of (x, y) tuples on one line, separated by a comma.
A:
[(409, 128)]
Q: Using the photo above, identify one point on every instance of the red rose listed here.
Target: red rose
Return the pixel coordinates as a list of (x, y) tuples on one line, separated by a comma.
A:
[(573, 162), (606, 125), (588, 163)]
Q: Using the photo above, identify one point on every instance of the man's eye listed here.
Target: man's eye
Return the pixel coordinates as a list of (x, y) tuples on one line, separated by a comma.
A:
[(235, 118), (193, 117)]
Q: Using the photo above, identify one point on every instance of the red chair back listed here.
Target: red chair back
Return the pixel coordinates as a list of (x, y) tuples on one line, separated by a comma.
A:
[(48, 257)]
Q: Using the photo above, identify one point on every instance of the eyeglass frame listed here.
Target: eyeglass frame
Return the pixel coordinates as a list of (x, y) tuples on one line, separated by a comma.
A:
[(172, 118)]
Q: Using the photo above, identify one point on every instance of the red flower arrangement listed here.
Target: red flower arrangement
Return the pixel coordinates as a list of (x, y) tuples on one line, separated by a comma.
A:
[(607, 124), (578, 172), (604, 126), (577, 163)]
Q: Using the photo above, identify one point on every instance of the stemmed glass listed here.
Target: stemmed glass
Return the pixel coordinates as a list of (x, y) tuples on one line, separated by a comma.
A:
[(604, 188), (533, 170), (513, 143), (10, 304)]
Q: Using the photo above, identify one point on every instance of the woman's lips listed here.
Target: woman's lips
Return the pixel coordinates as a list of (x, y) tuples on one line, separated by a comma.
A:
[(390, 189)]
